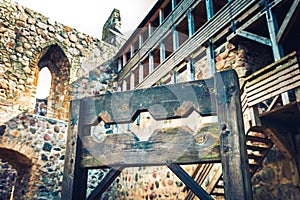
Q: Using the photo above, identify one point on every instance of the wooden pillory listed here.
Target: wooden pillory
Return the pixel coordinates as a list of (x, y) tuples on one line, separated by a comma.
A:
[(170, 146)]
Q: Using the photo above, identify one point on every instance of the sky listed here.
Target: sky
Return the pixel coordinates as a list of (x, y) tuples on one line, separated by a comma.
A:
[(89, 16)]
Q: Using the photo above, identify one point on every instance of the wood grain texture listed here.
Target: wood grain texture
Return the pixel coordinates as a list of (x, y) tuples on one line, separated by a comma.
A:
[(163, 102), (74, 179), (233, 150), (177, 145)]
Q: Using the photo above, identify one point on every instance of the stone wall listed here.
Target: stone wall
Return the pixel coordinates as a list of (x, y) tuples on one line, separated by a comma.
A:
[(36, 144), (7, 179), (28, 42), (275, 179), (245, 57), (80, 65)]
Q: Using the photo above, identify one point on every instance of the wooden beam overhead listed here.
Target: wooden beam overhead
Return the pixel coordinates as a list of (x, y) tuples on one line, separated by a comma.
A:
[(288, 20), (282, 144), (255, 37)]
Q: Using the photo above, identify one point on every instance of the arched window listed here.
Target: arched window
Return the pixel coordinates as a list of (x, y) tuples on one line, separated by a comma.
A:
[(43, 91)]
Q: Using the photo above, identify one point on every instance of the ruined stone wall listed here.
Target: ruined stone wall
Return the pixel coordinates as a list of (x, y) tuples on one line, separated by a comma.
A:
[(80, 65), (37, 145), (275, 179), (26, 37)]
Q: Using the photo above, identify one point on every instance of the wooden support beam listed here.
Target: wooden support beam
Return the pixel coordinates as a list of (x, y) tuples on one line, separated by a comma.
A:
[(276, 47), (151, 62), (175, 38), (189, 182), (162, 51), (272, 103), (141, 72), (191, 69), (177, 144), (191, 24), (288, 20), (233, 149), (105, 183), (164, 102), (75, 178), (255, 37), (286, 145), (252, 20), (173, 2), (281, 143), (253, 115), (161, 16), (210, 48)]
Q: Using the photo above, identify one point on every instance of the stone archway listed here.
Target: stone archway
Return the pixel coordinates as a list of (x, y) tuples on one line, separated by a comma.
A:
[(57, 62), (16, 171)]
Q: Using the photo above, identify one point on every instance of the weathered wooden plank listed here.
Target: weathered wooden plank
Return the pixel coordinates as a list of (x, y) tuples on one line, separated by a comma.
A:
[(74, 179), (255, 37), (288, 21), (233, 150), (163, 102), (179, 145), (269, 77), (275, 81), (189, 182), (286, 86), (281, 143)]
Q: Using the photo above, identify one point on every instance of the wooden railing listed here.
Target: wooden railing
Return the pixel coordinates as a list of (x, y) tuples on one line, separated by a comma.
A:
[(266, 86), (211, 28)]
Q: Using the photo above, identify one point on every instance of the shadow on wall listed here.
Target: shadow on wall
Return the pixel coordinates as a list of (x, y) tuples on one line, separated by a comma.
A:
[(15, 174)]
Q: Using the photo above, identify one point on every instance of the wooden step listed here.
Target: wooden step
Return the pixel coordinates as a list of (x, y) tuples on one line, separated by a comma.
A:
[(219, 186), (255, 157), (256, 129), (258, 139), (256, 148), (217, 194)]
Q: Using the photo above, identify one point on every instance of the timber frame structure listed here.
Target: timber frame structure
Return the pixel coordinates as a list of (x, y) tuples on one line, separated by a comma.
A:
[(155, 54), (217, 95), (176, 35)]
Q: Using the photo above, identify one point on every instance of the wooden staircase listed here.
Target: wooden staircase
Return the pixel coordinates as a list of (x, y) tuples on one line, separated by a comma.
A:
[(258, 146), (266, 85)]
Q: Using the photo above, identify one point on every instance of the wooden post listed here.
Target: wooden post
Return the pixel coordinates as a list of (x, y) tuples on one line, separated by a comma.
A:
[(75, 178), (141, 72), (173, 4), (162, 51), (232, 137), (161, 16), (210, 48), (149, 30), (140, 41), (175, 38), (191, 25), (276, 47), (151, 62), (191, 69)]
